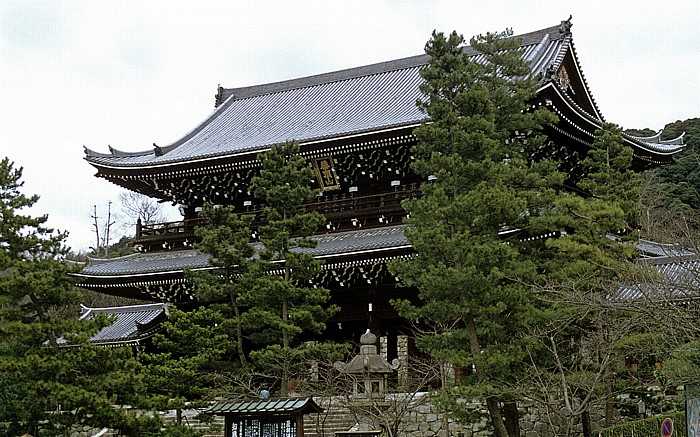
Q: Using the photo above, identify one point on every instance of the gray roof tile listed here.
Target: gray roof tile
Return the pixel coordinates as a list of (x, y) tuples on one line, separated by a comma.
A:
[(130, 324), (265, 407), (328, 245), (353, 101), (140, 263), (675, 274), (678, 278)]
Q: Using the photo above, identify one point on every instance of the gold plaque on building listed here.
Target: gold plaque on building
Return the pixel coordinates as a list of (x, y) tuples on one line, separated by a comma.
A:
[(325, 174)]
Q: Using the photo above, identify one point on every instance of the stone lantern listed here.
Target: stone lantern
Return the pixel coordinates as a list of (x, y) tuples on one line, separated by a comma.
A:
[(368, 369)]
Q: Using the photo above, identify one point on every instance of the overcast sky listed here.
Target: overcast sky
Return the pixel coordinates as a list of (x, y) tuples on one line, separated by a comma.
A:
[(133, 73)]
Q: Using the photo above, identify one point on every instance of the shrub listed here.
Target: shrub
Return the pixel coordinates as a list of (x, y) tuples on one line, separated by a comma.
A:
[(645, 427)]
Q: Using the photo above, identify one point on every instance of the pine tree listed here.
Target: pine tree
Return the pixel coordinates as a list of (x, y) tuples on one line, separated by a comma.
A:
[(468, 274), (191, 353), (282, 303), (226, 238), (51, 377), (586, 266)]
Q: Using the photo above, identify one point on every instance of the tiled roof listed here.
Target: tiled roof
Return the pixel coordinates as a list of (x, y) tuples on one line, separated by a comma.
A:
[(678, 278), (140, 263), (333, 105), (674, 274), (654, 249), (328, 246), (259, 407), (656, 144), (360, 241), (130, 324)]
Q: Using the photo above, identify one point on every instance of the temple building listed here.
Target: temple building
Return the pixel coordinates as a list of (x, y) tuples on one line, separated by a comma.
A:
[(355, 128)]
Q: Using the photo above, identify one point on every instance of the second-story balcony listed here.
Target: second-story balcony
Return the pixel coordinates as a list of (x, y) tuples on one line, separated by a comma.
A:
[(346, 209)]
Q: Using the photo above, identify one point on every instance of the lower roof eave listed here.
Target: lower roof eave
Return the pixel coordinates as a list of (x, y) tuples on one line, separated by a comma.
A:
[(156, 278), (595, 124)]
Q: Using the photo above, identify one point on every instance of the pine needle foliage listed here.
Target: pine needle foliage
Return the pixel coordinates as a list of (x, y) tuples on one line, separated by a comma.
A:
[(52, 378), (474, 148), (283, 304)]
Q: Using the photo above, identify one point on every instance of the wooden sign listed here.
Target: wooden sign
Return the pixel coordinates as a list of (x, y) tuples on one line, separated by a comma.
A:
[(325, 174)]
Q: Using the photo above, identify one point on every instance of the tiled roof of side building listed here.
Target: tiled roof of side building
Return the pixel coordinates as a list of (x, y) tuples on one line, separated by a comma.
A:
[(130, 324), (265, 407), (141, 263), (677, 278), (673, 274), (332, 105), (328, 246)]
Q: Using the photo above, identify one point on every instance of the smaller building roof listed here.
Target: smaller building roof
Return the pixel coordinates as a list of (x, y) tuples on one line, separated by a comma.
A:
[(672, 276), (266, 407), (130, 324)]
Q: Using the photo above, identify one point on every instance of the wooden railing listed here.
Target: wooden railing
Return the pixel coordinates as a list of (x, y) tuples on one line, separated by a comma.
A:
[(335, 207), (182, 228), (343, 206)]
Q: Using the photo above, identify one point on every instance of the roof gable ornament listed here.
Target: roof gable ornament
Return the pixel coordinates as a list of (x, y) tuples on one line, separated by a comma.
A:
[(565, 27)]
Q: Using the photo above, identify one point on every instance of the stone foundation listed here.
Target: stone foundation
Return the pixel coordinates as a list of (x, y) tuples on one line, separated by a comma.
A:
[(410, 415)]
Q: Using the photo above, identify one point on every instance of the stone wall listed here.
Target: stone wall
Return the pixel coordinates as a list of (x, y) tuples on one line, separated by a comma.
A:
[(411, 415)]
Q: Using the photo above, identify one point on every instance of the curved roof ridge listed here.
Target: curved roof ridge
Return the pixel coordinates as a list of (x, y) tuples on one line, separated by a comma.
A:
[(656, 139), (124, 308), (157, 150), (669, 147), (676, 141), (89, 153), (190, 134), (666, 149), (650, 139), (530, 38), (583, 78), (114, 153)]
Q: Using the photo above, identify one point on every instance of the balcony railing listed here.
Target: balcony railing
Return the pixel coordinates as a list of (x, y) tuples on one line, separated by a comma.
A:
[(336, 208), (346, 205), (158, 231)]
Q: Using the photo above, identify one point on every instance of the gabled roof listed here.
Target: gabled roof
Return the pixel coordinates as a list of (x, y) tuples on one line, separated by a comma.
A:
[(335, 105), (130, 324), (265, 407)]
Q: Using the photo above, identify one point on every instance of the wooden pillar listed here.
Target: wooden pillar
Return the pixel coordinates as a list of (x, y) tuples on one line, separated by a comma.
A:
[(228, 422), (300, 425)]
